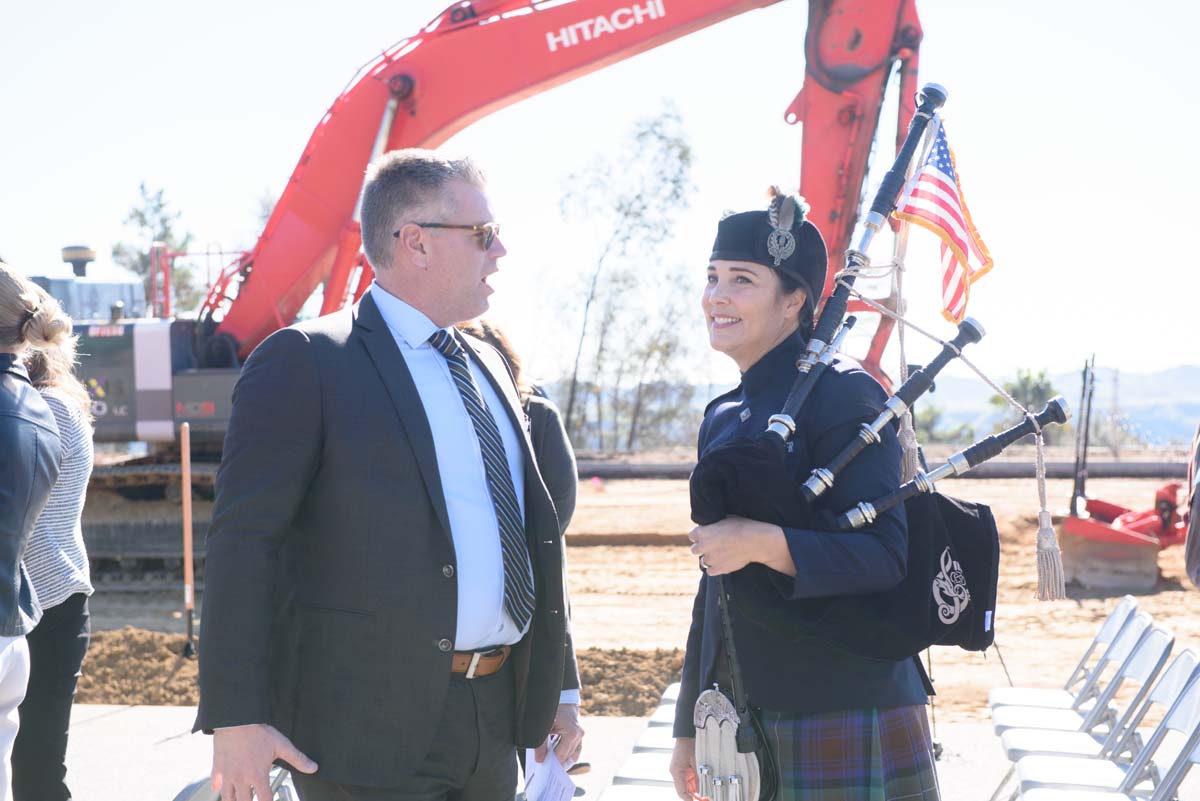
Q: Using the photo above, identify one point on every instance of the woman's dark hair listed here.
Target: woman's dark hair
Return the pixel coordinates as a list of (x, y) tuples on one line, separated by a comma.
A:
[(789, 284)]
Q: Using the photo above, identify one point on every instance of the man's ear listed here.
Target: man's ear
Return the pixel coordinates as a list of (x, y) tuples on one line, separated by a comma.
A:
[(411, 243)]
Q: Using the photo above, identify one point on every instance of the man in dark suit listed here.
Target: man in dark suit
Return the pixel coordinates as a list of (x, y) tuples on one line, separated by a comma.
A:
[(384, 607)]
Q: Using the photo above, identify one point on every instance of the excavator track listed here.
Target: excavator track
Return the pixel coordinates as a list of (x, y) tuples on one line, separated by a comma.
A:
[(141, 474), (133, 526)]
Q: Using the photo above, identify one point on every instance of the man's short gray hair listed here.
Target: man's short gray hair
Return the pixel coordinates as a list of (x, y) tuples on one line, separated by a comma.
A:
[(402, 182)]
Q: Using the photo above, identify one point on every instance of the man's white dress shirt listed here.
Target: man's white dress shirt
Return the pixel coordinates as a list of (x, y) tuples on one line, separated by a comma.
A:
[(482, 621)]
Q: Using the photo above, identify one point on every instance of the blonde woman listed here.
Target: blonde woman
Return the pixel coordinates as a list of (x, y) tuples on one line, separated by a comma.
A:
[(32, 449), (58, 567)]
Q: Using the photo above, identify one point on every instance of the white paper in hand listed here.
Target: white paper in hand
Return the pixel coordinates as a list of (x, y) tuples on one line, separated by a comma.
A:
[(547, 780)]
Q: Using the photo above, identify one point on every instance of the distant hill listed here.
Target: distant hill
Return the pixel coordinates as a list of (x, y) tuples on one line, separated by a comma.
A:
[(1161, 408)]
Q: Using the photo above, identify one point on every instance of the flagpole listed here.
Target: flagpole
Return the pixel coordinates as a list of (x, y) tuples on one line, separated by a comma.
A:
[(810, 366), (910, 464), (900, 244)]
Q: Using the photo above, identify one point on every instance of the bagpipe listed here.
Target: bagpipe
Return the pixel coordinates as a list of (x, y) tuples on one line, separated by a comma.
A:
[(947, 596), (948, 593)]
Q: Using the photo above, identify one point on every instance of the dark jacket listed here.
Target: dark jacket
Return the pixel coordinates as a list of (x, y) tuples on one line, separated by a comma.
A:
[(30, 453), (809, 676), (556, 462), (555, 457), (330, 600)]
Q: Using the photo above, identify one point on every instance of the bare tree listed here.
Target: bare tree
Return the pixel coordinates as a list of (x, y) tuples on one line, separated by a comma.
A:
[(634, 197), (639, 350), (662, 353)]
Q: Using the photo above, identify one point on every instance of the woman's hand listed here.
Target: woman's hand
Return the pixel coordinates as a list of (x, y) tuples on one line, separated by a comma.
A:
[(733, 543), (683, 767)]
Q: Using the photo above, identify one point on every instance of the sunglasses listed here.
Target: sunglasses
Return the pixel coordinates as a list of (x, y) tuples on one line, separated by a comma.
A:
[(490, 230)]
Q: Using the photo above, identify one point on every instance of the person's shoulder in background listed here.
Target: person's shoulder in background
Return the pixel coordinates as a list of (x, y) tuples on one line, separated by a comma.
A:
[(554, 454)]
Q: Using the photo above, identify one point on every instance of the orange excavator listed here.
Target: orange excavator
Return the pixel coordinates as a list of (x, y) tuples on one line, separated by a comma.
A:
[(150, 376), (414, 96)]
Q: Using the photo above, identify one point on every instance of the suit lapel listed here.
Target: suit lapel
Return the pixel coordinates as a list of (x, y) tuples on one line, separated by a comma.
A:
[(381, 347)]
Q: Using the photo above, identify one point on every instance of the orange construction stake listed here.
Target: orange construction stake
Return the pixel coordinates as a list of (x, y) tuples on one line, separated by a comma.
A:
[(185, 448)]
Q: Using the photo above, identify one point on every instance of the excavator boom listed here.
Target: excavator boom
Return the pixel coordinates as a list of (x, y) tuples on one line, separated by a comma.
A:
[(473, 59), (478, 57), (149, 376)]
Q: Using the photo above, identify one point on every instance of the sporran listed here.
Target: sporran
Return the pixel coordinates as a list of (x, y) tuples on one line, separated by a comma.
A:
[(733, 759)]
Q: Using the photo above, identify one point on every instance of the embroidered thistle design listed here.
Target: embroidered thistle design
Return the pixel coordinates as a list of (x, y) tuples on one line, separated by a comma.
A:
[(950, 590)]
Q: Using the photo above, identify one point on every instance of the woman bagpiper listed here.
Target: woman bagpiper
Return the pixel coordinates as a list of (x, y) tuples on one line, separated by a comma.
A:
[(842, 727)]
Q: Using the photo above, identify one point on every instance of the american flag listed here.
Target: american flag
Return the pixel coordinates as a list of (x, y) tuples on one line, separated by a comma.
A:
[(933, 200)]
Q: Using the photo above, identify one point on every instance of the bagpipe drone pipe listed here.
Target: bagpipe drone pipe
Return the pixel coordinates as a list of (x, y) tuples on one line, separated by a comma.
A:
[(947, 596)]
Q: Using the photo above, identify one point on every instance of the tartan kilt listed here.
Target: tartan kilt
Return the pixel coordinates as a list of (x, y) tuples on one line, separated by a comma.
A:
[(853, 755)]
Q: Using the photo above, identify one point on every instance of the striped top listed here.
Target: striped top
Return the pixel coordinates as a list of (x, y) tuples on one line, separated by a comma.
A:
[(55, 557)]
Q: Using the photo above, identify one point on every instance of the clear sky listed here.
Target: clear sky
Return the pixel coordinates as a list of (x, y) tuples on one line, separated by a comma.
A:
[(1073, 122)]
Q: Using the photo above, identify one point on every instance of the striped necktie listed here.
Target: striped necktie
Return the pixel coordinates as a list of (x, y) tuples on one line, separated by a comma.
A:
[(518, 578)]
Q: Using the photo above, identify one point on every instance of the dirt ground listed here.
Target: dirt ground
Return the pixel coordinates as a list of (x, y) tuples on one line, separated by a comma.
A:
[(632, 582)]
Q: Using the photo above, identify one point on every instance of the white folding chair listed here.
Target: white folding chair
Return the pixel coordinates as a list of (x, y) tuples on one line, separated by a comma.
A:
[(1046, 778), (1123, 741), (1141, 651), (664, 715), (638, 792), (655, 738), (646, 768), (1080, 685)]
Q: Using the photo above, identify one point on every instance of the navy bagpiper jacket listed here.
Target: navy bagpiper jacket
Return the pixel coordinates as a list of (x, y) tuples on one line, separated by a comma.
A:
[(809, 676)]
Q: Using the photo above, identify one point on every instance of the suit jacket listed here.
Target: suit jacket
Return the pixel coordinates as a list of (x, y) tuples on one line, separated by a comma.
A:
[(330, 600)]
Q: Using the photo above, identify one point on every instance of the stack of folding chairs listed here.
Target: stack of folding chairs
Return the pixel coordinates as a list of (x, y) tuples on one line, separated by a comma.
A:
[(645, 776), (1125, 725)]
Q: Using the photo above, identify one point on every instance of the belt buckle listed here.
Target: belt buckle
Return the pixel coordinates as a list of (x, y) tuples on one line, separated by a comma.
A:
[(470, 674)]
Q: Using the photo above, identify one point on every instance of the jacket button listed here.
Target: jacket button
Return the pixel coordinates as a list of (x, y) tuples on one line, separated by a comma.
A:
[(448, 570), (444, 644)]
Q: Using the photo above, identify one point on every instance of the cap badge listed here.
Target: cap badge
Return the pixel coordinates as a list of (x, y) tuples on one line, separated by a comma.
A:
[(781, 244)]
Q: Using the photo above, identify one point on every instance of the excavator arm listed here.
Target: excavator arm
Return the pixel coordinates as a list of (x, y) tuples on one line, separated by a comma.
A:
[(850, 50), (480, 56)]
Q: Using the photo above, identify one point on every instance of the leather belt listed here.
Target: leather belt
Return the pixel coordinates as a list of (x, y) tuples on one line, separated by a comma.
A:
[(476, 664)]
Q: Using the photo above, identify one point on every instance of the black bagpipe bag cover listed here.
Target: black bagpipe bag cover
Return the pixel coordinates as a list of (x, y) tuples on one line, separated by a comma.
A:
[(947, 596)]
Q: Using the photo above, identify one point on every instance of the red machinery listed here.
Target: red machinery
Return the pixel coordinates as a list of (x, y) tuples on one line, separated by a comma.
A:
[(1161, 527), (1109, 546), (414, 95), (472, 59), (1192, 555)]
